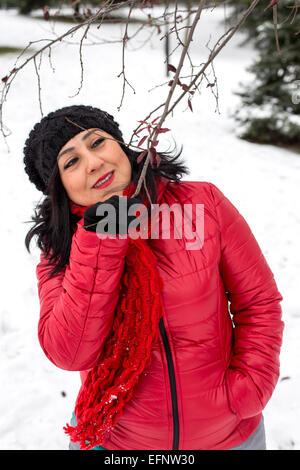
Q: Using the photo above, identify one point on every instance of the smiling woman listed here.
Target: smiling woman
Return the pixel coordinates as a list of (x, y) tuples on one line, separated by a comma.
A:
[(93, 167), (177, 347)]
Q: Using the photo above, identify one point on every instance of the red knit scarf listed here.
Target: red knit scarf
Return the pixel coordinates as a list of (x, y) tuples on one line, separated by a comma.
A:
[(127, 350)]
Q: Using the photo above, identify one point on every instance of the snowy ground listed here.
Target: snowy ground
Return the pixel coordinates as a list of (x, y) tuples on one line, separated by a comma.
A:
[(262, 181)]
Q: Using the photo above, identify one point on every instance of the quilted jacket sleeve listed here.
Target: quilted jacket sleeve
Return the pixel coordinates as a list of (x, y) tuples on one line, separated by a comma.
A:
[(77, 305), (256, 312)]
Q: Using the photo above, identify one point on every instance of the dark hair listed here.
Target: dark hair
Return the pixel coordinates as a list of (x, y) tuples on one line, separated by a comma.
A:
[(54, 221)]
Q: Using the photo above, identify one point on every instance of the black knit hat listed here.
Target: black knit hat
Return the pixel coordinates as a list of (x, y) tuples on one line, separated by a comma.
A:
[(50, 134)]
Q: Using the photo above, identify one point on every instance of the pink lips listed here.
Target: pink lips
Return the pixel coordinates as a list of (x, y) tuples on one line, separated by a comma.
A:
[(107, 182)]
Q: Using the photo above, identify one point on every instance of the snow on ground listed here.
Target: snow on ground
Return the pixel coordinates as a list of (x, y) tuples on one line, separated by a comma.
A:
[(37, 398)]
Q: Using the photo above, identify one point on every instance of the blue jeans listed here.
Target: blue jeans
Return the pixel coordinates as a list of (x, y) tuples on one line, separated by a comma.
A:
[(257, 440)]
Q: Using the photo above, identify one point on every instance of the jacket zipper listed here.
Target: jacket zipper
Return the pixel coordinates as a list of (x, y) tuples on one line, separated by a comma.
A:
[(172, 384)]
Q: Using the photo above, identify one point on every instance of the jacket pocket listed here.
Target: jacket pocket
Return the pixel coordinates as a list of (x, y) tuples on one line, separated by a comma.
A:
[(243, 398), (228, 396)]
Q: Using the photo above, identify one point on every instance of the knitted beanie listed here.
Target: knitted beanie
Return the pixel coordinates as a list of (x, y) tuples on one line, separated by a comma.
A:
[(50, 134)]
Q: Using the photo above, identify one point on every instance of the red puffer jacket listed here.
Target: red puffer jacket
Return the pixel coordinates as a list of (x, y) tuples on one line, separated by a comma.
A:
[(216, 361)]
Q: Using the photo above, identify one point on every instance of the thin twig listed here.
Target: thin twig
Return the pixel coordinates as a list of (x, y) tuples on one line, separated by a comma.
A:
[(39, 86), (125, 39), (81, 61)]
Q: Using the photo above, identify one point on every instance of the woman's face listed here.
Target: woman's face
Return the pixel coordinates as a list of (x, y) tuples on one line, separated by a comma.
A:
[(85, 159)]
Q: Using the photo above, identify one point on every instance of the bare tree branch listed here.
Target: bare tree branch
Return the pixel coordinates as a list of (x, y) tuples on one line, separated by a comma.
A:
[(166, 106), (180, 21), (213, 54), (8, 79)]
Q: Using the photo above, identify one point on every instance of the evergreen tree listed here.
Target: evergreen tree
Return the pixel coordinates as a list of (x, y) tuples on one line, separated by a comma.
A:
[(270, 111)]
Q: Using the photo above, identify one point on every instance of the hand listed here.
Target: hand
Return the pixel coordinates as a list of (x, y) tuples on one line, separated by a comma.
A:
[(114, 220)]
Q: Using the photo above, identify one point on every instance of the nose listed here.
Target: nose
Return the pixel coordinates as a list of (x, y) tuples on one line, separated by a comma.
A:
[(93, 162)]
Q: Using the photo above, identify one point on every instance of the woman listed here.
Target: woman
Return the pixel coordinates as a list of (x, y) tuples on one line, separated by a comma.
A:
[(177, 348)]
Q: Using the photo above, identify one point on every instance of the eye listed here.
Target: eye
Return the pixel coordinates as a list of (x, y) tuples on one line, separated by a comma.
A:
[(97, 142), (70, 162)]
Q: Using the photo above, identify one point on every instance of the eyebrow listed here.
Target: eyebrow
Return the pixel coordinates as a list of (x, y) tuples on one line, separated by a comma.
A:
[(70, 149)]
